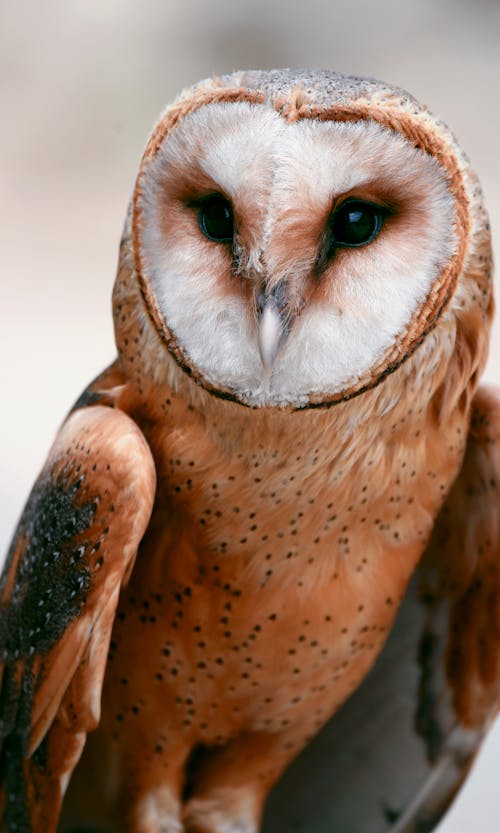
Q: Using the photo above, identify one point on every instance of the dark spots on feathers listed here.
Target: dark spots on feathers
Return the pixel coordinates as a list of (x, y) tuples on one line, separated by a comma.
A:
[(54, 561), (53, 576)]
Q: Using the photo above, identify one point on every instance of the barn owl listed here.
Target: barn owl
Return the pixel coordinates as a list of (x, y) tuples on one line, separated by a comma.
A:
[(216, 550)]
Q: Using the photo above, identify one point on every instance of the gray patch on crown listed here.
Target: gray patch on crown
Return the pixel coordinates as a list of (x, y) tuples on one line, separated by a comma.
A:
[(321, 87)]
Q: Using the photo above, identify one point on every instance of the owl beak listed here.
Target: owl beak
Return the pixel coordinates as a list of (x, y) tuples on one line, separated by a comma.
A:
[(270, 331)]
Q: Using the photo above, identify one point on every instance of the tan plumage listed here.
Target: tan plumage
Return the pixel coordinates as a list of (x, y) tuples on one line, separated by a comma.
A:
[(287, 415)]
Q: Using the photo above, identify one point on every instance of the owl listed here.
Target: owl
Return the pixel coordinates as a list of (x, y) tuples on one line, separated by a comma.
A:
[(289, 449)]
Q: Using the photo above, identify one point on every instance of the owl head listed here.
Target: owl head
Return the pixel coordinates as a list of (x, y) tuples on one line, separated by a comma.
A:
[(295, 237)]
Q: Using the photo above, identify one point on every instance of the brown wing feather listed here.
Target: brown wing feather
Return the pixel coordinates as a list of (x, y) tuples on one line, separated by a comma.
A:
[(461, 584), (74, 548)]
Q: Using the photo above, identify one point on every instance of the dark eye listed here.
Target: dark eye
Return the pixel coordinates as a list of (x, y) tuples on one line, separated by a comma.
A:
[(215, 219), (355, 223)]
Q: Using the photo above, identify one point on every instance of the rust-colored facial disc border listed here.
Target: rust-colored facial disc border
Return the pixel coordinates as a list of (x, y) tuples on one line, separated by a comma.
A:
[(292, 109)]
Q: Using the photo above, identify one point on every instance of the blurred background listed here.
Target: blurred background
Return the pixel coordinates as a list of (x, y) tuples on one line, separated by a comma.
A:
[(81, 84)]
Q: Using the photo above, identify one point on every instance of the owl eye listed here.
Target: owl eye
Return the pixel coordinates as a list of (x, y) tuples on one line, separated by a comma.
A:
[(356, 222), (215, 219)]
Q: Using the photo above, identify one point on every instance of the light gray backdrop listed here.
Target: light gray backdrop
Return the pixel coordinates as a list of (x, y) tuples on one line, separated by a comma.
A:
[(82, 81)]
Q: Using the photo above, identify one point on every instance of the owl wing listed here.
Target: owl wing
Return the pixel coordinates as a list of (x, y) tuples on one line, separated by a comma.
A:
[(73, 550), (392, 759)]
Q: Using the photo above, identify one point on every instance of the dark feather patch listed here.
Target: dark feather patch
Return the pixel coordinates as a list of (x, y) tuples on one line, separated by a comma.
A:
[(53, 577), (16, 815), (88, 397), (48, 591)]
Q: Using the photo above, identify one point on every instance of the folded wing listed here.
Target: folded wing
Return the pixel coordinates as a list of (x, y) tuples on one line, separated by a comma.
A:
[(74, 548)]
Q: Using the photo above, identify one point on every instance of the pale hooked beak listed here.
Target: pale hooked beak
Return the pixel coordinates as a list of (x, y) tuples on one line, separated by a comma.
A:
[(270, 331)]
